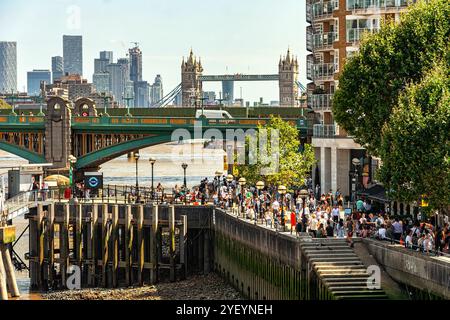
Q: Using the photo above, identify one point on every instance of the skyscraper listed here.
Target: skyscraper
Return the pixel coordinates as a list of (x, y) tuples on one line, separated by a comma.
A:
[(101, 77), (57, 67), (73, 54), (141, 94), (8, 66), (34, 79), (135, 64), (228, 92), (156, 90), (101, 82), (106, 57)]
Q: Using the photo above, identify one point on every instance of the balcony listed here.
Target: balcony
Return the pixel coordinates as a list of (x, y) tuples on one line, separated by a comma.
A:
[(320, 102), (374, 6), (323, 41), (309, 38), (355, 34), (309, 67), (324, 10), (323, 71), (308, 12), (325, 130)]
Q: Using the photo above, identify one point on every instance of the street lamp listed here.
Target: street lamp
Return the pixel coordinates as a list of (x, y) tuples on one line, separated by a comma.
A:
[(304, 194), (218, 175), (356, 162), (259, 186), (136, 158), (282, 191), (152, 162), (184, 165), (242, 181), (72, 161)]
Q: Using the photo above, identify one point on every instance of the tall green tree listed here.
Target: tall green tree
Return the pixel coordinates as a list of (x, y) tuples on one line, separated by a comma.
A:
[(277, 161), (416, 143), (393, 97), (399, 54)]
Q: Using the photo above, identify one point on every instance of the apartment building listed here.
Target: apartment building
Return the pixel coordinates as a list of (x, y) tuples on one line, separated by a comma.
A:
[(334, 33)]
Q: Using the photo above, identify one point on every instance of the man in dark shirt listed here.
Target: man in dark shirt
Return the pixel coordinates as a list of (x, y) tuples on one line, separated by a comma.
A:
[(329, 229)]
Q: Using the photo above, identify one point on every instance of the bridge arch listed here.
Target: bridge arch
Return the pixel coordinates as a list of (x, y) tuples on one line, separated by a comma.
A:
[(106, 154), (24, 153)]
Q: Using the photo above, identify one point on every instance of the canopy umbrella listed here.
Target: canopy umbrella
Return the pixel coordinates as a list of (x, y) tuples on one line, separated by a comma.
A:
[(60, 179)]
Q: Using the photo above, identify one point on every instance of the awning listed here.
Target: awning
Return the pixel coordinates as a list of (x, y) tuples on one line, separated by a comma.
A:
[(376, 192)]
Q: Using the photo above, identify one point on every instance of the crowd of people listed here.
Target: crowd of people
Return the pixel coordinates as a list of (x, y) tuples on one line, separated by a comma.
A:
[(321, 217)]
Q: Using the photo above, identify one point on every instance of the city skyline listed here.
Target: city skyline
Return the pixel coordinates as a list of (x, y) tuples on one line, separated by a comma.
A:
[(243, 41)]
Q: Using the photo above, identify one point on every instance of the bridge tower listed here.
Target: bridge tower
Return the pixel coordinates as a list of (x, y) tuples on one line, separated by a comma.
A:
[(58, 133), (191, 86), (288, 72)]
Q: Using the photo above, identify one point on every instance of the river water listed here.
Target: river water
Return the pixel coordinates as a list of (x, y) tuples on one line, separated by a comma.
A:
[(202, 162)]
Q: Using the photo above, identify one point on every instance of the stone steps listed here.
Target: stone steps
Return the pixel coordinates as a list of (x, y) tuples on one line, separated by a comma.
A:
[(340, 269)]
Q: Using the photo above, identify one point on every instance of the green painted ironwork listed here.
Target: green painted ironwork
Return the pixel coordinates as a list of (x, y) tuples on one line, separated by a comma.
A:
[(105, 154), (26, 154)]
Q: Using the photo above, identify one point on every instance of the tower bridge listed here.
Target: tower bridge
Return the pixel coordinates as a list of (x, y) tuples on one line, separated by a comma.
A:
[(192, 79)]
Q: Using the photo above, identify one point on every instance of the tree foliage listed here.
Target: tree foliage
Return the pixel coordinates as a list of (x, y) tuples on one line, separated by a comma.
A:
[(287, 164), (4, 105), (416, 143), (399, 54)]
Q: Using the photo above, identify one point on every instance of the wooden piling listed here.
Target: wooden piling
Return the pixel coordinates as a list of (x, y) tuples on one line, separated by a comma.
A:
[(105, 243), (153, 246), (9, 268), (128, 245), (115, 245), (51, 243), (78, 234), (140, 243), (41, 245), (64, 244), (206, 248), (172, 243), (3, 288), (91, 245), (183, 246)]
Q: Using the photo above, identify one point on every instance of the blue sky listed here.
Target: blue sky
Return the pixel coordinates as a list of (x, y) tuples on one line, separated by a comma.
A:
[(234, 36)]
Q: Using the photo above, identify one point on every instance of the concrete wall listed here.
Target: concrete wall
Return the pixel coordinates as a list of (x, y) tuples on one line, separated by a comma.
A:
[(261, 263), (412, 268)]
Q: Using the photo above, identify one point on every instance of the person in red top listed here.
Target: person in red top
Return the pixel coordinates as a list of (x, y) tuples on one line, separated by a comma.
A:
[(293, 220), (67, 193)]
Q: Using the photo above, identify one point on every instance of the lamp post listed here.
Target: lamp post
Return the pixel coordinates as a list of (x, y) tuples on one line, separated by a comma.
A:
[(229, 180), (259, 186), (282, 191), (356, 163), (304, 194), (184, 165), (152, 162), (72, 161), (242, 181), (218, 175), (136, 158)]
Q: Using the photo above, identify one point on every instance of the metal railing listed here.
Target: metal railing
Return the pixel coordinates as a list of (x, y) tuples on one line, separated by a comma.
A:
[(320, 102), (325, 130), (376, 5), (323, 71), (324, 9), (356, 34), (323, 40)]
